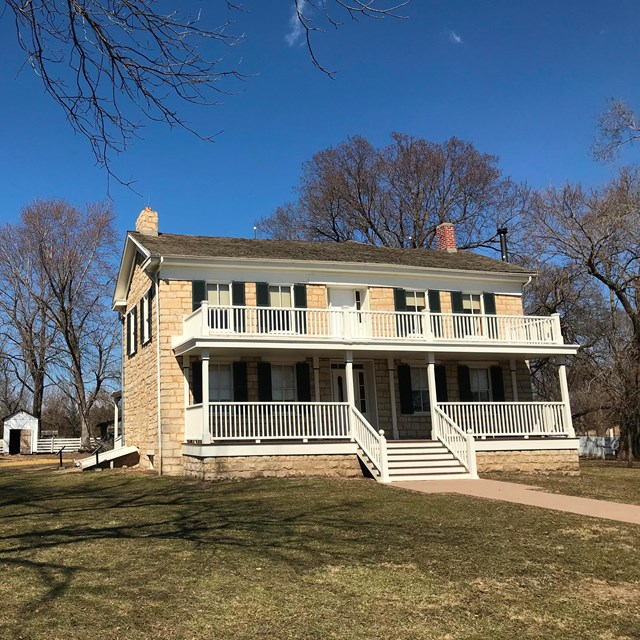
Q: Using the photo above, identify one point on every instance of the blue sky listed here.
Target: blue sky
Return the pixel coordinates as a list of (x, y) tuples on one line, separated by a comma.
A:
[(523, 80)]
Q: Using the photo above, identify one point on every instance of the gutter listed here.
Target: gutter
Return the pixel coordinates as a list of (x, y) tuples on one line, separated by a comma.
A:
[(157, 285)]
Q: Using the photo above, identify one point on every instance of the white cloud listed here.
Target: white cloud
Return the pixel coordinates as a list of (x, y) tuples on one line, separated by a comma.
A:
[(295, 28), (454, 38)]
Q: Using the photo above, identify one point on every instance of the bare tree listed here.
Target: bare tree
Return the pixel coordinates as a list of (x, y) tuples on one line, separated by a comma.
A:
[(112, 65), (397, 195), (597, 232), (617, 126), (73, 253)]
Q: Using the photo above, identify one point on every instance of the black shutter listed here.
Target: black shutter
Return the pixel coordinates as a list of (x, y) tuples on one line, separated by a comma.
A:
[(198, 293), (489, 303), (300, 302), (441, 383), (264, 382), (400, 299), (238, 299), (128, 330), (303, 382), (262, 294), (456, 302), (434, 301), (404, 385), (497, 384), (196, 382), (464, 383), (240, 383)]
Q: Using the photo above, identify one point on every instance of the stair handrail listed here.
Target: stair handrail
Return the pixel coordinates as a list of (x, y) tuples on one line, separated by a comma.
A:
[(372, 442), (459, 443)]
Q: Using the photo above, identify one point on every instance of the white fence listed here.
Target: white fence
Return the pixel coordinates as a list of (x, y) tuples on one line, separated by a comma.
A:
[(598, 446), (489, 419), (460, 444), (53, 445), (396, 326)]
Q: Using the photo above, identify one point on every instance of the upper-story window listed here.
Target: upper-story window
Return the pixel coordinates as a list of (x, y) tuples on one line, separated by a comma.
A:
[(415, 301), (280, 295), (132, 331), (472, 303), (218, 295), (145, 318)]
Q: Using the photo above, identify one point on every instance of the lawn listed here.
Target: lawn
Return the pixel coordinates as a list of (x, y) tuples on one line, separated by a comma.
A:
[(598, 479), (122, 555)]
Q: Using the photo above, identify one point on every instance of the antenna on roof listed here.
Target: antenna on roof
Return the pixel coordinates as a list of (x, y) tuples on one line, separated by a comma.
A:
[(255, 232)]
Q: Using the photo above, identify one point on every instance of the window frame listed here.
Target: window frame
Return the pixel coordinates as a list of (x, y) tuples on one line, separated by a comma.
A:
[(280, 287), (275, 390), (132, 331), (421, 410), (146, 318), (216, 366), (475, 392), (218, 284), (470, 296), (413, 308)]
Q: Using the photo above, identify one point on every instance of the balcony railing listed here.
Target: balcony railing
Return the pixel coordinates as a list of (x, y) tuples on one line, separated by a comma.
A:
[(347, 324)]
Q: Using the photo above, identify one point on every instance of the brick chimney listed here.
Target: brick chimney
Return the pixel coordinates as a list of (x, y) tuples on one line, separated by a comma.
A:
[(446, 237), (147, 222)]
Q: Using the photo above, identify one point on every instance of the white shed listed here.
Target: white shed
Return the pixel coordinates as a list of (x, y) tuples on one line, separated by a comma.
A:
[(21, 432)]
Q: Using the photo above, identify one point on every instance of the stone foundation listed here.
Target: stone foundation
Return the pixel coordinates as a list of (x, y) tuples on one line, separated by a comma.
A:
[(236, 468), (560, 462)]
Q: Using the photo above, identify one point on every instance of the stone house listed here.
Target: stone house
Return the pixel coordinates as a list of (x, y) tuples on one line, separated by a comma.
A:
[(246, 358)]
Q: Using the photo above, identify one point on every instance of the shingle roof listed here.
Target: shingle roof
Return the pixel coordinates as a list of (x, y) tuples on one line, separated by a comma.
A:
[(175, 245)]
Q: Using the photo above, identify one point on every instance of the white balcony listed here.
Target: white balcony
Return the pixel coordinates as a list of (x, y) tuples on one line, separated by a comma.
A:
[(375, 327)]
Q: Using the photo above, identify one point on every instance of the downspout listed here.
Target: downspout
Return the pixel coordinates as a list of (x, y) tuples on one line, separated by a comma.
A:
[(157, 284)]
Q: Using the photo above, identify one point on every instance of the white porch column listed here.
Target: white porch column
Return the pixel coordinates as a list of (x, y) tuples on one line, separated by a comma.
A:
[(316, 378), (514, 379), (348, 375), (433, 399), (392, 392), (564, 394), (206, 433)]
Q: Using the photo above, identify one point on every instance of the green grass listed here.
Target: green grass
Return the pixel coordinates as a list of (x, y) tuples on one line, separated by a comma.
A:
[(117, 555), (598, 479)]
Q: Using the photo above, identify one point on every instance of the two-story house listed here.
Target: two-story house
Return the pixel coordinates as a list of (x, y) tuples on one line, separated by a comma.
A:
[(246, 358)]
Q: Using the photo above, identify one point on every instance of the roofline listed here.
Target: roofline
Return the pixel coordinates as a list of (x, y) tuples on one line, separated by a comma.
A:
[(125, 270)]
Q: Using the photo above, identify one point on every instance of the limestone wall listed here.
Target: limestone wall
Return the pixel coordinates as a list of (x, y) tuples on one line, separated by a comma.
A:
[(139, 372), (561, 462), (509, 305), (235, 468)]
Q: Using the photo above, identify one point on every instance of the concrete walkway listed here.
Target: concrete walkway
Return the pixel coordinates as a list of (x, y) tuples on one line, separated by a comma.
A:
[(527, 494)]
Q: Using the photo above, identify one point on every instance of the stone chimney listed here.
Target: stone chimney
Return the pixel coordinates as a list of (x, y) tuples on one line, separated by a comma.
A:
[(147, 222), (446, 237)]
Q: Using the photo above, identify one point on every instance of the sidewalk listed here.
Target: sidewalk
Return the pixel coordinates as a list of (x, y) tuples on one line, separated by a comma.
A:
[(530, 495)]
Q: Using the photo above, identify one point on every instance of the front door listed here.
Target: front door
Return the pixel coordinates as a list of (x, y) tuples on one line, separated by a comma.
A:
[(341, 297), (14, 441), (363, 390)]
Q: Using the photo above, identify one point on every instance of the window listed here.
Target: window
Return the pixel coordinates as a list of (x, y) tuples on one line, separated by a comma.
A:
[(219, 298), (415, 301), (220, 383), (480, 383), (283, 383), (471, 303), (280, 316), (420, 389), (132, 331), (145, 318)]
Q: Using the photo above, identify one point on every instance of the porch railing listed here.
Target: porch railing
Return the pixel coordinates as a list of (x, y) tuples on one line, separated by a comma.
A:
[(459, 443), (372, 442), (349, 324), (495, 419), (278, 420)]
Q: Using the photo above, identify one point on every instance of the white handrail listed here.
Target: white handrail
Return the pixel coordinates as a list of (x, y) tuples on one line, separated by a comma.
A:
[(278, 420), (459, 443), (372, 442), (494, 419), (350, 324)]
